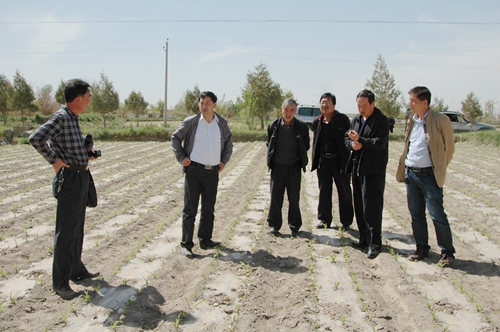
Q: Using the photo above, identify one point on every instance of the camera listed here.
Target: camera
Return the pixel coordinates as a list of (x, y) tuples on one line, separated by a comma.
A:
[(95, 153)]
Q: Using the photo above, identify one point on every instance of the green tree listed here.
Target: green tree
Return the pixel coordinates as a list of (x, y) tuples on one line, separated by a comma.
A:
[(261, 94), (471, 107), (489, 109), (6, 91), (136, 104), (105, 99), (46, 103), (191, 100), (60, 93), (22, 96), (439, 105), (383, 85)]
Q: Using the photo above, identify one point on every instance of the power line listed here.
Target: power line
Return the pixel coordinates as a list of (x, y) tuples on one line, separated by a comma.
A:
[(249, 21)]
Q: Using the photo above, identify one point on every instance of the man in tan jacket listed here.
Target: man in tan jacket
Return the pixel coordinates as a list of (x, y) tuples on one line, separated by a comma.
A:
[(429, 147)]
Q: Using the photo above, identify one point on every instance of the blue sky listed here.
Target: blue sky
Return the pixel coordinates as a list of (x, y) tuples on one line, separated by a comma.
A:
[(309, 47)]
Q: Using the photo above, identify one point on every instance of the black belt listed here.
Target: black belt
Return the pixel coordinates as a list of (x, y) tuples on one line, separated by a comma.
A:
[(77, 168), (329, 155), (207, 167), (419, 170)]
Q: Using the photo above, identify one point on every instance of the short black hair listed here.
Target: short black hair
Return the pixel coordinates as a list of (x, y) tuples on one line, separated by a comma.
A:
[(328, 95), (74, 88), (366, 94), (422, 93), (208, 94)]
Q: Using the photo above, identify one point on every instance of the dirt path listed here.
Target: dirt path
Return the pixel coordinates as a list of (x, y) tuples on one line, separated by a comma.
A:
[(256, 282)]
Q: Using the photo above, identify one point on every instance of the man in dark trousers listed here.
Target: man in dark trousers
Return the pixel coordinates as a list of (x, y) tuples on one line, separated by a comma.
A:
[(207, 148), (368, 142), (68, 154), (287, 144), (329, 157)]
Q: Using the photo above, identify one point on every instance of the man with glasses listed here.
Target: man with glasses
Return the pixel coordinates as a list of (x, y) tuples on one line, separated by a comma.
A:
[(329, 159)]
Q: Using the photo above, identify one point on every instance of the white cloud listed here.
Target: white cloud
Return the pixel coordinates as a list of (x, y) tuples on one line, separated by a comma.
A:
[(227, 52)]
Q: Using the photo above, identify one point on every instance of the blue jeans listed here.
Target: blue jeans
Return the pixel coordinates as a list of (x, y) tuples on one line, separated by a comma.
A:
[(422, 190)]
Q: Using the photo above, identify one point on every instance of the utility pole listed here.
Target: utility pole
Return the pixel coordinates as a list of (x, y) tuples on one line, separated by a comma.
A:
[(166, 83)]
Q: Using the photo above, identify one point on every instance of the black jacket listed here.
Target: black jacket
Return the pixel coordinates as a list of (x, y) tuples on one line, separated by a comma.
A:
[(301, 131), (341, 125), (375, 152)]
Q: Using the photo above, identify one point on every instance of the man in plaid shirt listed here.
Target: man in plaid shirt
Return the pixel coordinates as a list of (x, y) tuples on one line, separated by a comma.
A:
[(67, 153)]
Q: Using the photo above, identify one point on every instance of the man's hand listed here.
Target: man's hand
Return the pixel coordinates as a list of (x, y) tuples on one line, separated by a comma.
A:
[(58, 165), (186, 162), (221, 167), (353, 135), (356, 146)]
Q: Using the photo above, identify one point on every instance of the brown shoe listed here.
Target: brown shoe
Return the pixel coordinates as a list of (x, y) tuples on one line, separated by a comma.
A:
[(446, 260), (66, 293), (419, 255)]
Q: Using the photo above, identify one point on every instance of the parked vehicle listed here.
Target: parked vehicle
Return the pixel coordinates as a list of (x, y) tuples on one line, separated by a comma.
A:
[(308, 113), (460, 123)]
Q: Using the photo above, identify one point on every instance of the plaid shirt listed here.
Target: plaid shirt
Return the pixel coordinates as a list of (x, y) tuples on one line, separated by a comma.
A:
[(66, 140)]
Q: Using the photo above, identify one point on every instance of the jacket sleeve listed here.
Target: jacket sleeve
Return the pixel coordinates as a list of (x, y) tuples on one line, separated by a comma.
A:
[(449, 140), (347, 140), (177, 138), (228, 144)]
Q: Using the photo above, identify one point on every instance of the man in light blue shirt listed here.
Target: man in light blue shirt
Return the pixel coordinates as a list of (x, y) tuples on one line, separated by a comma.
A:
[(429, 147)]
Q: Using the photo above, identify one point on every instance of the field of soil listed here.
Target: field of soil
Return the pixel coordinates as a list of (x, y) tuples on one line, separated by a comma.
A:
[(256, 281)]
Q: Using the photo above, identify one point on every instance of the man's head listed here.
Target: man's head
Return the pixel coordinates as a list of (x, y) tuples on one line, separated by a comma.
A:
[(77, 95), (207, 104), (366, 103), (327, 103), (288, 110), (420, 99)]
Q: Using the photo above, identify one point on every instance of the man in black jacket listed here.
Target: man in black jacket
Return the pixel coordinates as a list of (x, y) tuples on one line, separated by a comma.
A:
[(330, 157), (287, 144), (368, 142)]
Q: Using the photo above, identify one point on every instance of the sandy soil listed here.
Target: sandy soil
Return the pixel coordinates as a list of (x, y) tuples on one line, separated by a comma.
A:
[(256, 282)]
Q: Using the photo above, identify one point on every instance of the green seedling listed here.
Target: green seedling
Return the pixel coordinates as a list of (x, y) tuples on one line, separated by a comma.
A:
[(86, 296)]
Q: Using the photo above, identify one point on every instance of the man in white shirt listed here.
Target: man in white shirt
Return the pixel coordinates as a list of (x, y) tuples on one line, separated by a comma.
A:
[(203, 144), (429, 147)]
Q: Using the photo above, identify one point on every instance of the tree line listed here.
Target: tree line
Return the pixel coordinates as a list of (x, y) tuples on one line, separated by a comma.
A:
[(260, 99)]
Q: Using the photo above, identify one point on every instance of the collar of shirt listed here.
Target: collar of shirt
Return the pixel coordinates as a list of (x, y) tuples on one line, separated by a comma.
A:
[(202, 119)]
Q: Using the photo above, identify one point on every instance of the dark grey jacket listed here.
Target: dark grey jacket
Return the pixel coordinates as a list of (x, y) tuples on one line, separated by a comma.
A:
[(186, 133)]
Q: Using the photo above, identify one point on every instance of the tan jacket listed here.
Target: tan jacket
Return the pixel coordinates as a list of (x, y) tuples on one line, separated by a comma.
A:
[(440, 142)]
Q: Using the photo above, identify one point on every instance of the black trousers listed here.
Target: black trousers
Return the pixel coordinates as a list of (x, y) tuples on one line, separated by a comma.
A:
[(368, 205), (327, 172), (285, 177), (70, 221), (199, 182)]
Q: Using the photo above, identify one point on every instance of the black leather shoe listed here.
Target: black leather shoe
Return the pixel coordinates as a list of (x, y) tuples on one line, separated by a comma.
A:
[(187, 252), (272, 230), (358, 245), (373, 251), (208, 244), (89, 275), (345, 228), (66, 293), (295, 233), (322, 224)]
